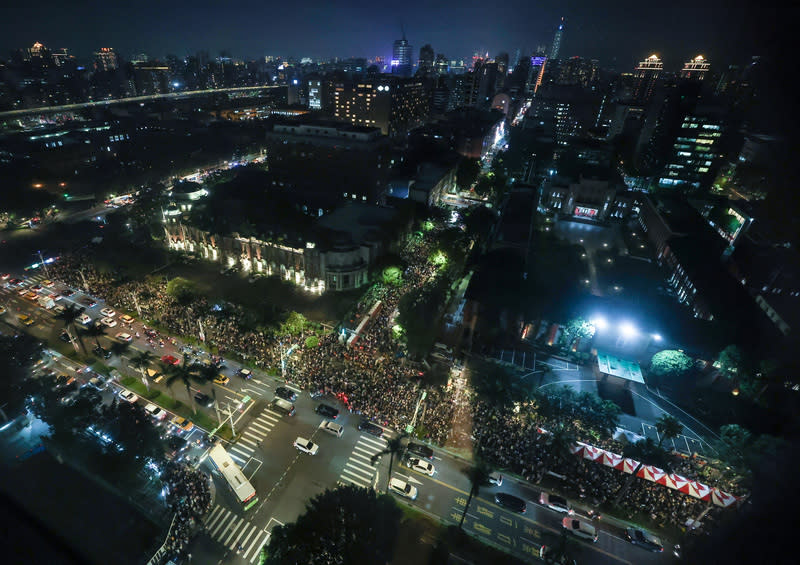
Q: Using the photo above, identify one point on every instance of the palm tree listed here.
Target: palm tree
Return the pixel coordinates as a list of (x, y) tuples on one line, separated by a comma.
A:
[(394, 446), (141, 361), (184, 372), (668, 427), (478, 475), (559, 442), (69, 316), (96, 331)]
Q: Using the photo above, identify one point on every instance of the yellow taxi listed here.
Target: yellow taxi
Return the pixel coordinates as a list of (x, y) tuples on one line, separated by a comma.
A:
[(182, 423), (26, 320), (125, 319), (221, 379)]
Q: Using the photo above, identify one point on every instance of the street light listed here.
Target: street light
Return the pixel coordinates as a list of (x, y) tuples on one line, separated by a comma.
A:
[(627, 329), (656, 337), (600, 323)]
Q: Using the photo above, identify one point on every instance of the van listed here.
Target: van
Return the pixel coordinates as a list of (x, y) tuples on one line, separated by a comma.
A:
[(283, 406), (332, 428)]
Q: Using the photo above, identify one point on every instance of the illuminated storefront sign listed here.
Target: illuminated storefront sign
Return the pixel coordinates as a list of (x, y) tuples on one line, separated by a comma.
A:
[(585, 212)]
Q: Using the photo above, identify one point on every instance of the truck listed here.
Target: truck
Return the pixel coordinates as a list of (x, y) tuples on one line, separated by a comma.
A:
[(46, 302)]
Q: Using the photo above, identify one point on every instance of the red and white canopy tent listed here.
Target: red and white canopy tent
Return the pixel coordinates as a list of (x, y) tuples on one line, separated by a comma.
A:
[(654, 474)]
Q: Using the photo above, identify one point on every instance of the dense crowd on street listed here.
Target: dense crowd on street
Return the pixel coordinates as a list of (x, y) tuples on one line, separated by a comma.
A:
[(371, 378), (189, 498)]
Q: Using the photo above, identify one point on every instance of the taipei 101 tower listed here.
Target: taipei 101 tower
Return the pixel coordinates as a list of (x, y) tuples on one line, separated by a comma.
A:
[(557, 41)]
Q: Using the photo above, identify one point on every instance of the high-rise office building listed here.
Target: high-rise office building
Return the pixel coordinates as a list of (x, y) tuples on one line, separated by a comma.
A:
[(535, 74), (440, 65), (556, 48), (695, 68), (696, 153), (502, 69), (578, 71), (401, 57), (425, 63), (105, 59), (645, 76), (392, 104)]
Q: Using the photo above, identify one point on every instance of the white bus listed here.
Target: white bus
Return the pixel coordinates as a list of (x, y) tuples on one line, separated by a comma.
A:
[(233, 475)]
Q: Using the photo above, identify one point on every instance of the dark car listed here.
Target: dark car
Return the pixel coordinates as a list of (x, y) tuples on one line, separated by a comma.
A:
[(285, 393), (175, 445), (420, 450), (370, 428), (88, 302), (511, 502), (64, 336), (644, 539), (327, 411), (246, 374), (203, 399), (100, 352), (67, 292)]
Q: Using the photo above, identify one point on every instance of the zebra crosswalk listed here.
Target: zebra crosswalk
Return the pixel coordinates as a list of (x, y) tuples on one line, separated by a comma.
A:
[(29, 281), (234, 532), (359, 469), (253, 435)]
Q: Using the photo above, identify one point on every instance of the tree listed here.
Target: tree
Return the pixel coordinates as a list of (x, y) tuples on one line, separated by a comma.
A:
[(478, 475), (731, 362), (70, 316), (671, 364), (96, 331), (647, 452), (576, 328), (559, 443), (185, 373), (733, 446), (136, 433), (17, 354), (392, 276), (394, 447), (294, 324), (484, 186), (668, 427), (467, 173), (141, 361), (182, 290), (498, 385), (345, 526)]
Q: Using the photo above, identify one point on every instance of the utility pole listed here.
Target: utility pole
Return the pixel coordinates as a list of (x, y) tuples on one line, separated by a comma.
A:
[(216, 406), (136, 303), (46, 272), (85, 285), (202, 333), (230, 417)]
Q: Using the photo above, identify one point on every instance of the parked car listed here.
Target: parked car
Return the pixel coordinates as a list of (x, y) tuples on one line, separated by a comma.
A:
[(403, 488), (203, 399), (495, 479), (155, 411), (327, 411), (108, 322), (644, 539), (420, 450), (421, 465), (128, 396), (555, 502), (286, 393), (182, 424), (370, 428), (332, 428), (108, 312), (306, 446), (511, 502), (579, 528)]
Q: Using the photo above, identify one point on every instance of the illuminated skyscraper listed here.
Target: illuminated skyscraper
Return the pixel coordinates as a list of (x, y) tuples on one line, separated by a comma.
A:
[(695, 68), (696, 153), (105, 59), (556, 48), (425, 64), (645, 76), (401, 57)]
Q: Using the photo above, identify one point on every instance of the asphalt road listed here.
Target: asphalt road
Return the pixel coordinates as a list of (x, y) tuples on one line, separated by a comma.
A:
[(285, 478)]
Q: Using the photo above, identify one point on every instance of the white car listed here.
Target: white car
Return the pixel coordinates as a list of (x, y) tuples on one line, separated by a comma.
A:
[(579, 528), (128, 396), (306, 446), (108, 312), (402, 488), (84, 320), (496, 479), (332, 428), (555, 502), (424, 467), (155, 411), (97, 383), (122, 336), (110, 322)]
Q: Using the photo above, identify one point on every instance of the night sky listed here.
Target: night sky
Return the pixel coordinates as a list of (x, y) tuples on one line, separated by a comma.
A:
[(618, 33)]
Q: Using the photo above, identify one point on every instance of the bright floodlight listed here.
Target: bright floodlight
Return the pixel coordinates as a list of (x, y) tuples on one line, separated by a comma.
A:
[(600, 323), (627, 329), (657, 337)]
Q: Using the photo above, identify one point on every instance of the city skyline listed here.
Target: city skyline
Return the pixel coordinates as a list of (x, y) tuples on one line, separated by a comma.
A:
[(617, 36)]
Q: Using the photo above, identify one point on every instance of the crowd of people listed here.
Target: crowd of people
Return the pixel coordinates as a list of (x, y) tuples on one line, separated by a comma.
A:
[(188, 495), (371, 378)]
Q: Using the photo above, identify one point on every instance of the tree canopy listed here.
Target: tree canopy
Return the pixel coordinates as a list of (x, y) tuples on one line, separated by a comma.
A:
[(344, 526), (670, 364), (183, 290), (467, 173)]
